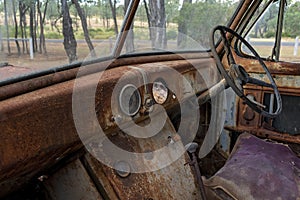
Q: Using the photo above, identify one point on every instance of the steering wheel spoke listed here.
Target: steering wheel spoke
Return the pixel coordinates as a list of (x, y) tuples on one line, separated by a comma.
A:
[(227, 48), (236, 77), (251, 98), (258, 82)]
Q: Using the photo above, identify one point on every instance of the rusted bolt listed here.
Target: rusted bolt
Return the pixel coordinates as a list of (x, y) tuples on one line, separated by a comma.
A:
[(191, 147), (42, 178), (149, 104), (122, 169), (170, 140), (117, 119), (148, 155)]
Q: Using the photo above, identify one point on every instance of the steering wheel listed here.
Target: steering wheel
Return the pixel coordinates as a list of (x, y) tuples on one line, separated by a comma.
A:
[(236, 77)]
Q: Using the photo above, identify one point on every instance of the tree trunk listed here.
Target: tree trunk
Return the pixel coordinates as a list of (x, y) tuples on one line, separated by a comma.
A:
[(32, 25), (256, 30), (25, 33), (158, 24), (114, 14), (55, 23), (22, 15), (35, 26), (43, 19), (6, 25), (84, 27), (130, 36), (42, 16), (16, 27), (148, 19), (182, 28), (70, 43)]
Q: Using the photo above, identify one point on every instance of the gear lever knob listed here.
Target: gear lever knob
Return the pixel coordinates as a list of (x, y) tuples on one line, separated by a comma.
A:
[(191, 147)]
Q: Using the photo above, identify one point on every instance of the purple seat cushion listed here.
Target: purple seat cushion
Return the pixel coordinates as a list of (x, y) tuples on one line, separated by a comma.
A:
[(257, 169)]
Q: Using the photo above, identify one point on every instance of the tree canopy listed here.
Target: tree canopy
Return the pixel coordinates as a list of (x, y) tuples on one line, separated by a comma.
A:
[(101, 19)]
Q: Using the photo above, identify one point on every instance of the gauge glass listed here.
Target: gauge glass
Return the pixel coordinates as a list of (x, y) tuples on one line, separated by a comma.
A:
[(160, 92), (130, 100)]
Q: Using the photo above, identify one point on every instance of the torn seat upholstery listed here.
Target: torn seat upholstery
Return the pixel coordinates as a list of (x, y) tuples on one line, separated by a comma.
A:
[(257, 169)]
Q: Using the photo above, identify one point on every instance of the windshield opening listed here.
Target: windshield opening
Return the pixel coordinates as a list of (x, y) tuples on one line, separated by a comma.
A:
[(37, 36), (176, 25)]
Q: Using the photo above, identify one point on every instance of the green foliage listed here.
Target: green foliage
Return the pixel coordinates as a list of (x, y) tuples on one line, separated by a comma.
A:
[(286, 35), (53, 11), (141, 33), (172, 10), (53, 35), (206, 15), (292, 20), (171, 34), (269, 34), (141, 14), (265, 27), (97, 33), (1, 5)]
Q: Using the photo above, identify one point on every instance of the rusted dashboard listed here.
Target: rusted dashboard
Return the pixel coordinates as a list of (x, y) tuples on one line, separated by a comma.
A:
[(285, 127), (37, 122)]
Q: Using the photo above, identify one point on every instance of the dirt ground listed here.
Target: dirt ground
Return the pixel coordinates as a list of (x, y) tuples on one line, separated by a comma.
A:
[(56, 55)]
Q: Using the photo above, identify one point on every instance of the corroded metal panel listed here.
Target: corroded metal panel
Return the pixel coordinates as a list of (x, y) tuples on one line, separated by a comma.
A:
[(71, 182), (99, 177), (175, 181), (37, 126), (36, 132), (252, 122), (287, 78)]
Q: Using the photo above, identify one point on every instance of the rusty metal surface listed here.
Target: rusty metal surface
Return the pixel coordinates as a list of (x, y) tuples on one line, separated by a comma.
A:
[(252, 122), (22, 87), (276, 68), (100, 179), (265, 133), (71, 182), (126, 26), (286, 83), (36, 132), (240, 14), (287, 77), (175, 181), (37, 128)]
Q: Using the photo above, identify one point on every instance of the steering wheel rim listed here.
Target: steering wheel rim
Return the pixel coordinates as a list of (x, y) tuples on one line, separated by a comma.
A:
[(237, 76)]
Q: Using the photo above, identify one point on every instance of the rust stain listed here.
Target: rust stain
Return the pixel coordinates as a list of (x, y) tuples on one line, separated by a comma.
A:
[(22, 87), (248, 121), (265, 133), (149, 185), (275, 68), (37, 127)]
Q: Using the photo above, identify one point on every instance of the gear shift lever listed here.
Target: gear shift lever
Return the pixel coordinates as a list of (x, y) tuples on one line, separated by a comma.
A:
[(191, 148)]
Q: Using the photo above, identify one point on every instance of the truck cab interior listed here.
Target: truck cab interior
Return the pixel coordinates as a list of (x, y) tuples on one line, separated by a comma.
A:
[(209, 111)]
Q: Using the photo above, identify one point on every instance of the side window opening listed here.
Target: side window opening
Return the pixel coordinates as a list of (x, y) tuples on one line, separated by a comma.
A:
[(261, 30), (262, 35)]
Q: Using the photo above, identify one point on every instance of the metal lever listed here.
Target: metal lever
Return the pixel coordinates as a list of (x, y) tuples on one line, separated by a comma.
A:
[(191, 148)]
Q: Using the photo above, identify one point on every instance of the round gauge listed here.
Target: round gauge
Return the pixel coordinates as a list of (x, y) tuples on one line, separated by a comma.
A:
[(159, 92), (130, 100)]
